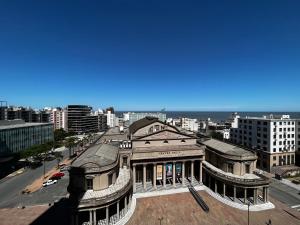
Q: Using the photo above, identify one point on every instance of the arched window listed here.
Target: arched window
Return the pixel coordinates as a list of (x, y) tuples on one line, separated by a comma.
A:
[(147, 142), (182, 140), (165, 142)]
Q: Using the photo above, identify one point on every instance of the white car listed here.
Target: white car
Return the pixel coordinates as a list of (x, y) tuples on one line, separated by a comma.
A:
[(49, 182)]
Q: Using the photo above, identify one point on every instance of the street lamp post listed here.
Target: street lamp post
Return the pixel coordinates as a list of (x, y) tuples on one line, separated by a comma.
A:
[(248, 213)]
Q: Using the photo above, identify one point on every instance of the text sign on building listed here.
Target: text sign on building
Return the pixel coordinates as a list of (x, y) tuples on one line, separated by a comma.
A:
[(159, 172), (169, 170)]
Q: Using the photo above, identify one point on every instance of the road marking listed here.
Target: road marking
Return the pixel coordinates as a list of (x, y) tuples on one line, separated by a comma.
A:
[(295, 206)]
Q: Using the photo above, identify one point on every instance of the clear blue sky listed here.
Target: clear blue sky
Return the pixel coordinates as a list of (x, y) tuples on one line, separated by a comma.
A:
[(147, 55)]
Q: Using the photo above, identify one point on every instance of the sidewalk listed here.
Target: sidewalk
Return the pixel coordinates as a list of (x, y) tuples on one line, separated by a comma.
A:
[(289, 183)]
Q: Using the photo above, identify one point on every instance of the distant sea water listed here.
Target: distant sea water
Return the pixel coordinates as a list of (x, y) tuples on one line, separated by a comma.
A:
[(217, 116)]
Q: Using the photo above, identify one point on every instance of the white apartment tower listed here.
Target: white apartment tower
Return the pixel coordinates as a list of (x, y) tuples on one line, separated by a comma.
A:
[(59, 118), (190, 124), (272, 137)]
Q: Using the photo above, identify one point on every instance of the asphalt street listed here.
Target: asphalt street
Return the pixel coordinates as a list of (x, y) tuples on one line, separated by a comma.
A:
[(284, 193), (11, 188)]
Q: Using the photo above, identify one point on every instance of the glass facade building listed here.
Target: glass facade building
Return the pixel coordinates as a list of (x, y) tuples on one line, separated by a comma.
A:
[(16, 136)]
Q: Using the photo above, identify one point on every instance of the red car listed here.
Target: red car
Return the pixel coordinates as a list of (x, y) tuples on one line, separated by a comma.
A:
[(57, 176)]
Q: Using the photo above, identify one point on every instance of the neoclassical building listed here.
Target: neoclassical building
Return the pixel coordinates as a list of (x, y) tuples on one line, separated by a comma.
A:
[(100, 190), (229, 171), (162, 157), (151, 155)]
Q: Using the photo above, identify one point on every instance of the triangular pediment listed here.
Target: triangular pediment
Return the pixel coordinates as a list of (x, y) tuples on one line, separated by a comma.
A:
[(165, 135)]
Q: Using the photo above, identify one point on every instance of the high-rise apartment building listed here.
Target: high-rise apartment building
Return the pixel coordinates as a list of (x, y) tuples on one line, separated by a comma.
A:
[(272, 137), (58, 117), (190, 124)]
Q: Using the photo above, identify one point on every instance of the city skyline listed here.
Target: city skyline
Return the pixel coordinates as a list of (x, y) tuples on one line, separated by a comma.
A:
[(200, 56)]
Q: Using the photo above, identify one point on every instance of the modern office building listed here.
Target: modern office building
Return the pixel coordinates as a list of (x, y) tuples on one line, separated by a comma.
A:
[(80, 119), (17, 135), (132, 116), (272, 137)]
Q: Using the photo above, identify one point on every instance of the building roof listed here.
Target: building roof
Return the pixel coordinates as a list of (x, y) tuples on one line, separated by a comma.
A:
[(11, 124), (142, 123), (227, 148), (100, 155)]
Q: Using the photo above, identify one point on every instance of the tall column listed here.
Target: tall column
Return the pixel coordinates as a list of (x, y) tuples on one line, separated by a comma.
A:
[(118, 210), (183, 172), (154, 176), (192, 171), (200, 172), (164, 175), (265, 194), (174, 177), (94, 215), (234, 193), (209, 180), (91, 217), (216, 186), (107, 215), (224, 189), (125, 203), (245, 195), (255, 196), (134, 178), (144, 176)]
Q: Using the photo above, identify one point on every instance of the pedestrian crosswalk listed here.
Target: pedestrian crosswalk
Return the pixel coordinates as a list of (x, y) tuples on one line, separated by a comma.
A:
[(297, 207)]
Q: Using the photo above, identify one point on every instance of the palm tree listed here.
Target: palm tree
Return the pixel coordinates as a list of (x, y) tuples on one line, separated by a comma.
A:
[(70, 144)]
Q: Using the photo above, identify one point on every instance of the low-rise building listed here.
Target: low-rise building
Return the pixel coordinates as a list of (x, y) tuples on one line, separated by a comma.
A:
[(16, 135)]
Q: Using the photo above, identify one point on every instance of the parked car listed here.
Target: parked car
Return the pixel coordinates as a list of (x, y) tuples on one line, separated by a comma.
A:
[(57, 176), (64, 168), (49, 182)]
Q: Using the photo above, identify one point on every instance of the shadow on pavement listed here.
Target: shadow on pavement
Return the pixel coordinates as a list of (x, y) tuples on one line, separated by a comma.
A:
[(58, 214)]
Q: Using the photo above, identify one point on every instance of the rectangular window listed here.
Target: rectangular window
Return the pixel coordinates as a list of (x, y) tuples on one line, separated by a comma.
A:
[(247, 168), (230, 168), (89, 183), (110, 176)]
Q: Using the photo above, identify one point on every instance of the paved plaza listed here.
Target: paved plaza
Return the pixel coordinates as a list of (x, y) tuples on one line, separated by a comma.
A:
[(181, 208)]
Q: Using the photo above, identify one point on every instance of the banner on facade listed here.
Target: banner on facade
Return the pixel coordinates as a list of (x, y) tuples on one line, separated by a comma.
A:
[(159, 172), (169, 170), (178, 169)]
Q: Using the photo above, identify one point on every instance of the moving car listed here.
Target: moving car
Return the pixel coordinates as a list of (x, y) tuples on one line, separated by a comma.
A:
[(49, 182)]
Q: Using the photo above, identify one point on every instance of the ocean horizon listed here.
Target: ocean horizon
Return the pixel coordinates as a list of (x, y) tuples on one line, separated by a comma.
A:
[(217, 116)]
